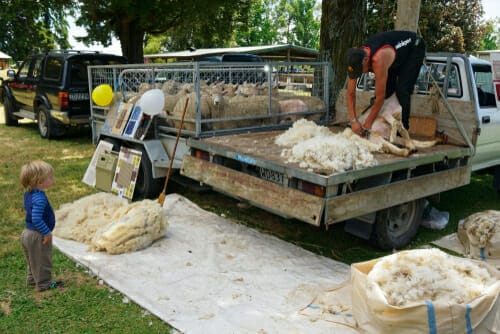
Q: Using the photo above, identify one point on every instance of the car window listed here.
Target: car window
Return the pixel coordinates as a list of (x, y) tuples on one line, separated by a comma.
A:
[(484, 83), (78, 67), (437, 72), (37, 68), (53, 68), (24, 69), (424, 82)]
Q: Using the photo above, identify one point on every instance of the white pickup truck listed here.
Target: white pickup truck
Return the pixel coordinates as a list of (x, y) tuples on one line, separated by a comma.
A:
[(245, 163)]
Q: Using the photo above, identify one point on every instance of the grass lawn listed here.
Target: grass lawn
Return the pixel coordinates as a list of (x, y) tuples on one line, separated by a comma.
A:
[(85, 305)]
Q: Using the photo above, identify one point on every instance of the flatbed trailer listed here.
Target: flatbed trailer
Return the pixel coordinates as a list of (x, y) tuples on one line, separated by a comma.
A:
[(233, 165), (383, 202)]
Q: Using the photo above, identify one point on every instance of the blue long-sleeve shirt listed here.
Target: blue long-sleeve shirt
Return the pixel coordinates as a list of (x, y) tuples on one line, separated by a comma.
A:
[(39, 214)]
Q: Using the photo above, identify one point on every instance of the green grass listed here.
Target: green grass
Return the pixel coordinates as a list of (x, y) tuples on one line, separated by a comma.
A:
[(84, 305)]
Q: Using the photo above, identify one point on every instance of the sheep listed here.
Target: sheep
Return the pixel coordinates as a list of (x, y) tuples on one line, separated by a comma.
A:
[(170, 87), (289, 107), (170, 102), (292, 104), (241, 106), (109, 223), (205, 104), (386, 126)]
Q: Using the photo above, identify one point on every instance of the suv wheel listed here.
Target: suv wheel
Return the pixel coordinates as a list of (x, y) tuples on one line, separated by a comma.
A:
[(8, 108), (45, 127)]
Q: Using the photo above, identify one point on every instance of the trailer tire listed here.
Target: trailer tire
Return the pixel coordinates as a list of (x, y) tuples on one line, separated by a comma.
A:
[(146, 186), (395, 227), (496, 179)]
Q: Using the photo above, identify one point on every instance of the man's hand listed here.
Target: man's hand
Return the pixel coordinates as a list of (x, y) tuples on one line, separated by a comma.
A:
[(357, 127), (47, 240)]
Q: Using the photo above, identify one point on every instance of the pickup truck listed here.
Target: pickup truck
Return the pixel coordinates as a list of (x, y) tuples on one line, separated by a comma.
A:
[(383, 203)]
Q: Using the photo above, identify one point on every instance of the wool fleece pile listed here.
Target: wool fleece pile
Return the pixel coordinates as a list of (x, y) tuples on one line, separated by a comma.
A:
[(109, 223)]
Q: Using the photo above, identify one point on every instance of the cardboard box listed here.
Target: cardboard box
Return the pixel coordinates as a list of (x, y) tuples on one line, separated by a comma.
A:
[(423, 127), (105, 170)]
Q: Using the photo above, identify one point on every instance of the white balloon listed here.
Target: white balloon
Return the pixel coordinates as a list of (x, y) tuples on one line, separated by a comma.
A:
[(152, 102)]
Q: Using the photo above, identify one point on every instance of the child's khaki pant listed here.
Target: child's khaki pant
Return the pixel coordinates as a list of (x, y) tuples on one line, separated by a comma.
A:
[(39, 259)]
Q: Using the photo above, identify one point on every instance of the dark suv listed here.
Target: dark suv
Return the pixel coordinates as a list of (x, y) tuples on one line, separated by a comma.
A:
[(239, 68), (52, 88)]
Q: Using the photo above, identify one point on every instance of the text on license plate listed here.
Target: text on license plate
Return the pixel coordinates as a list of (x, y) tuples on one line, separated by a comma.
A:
[(271, 175)]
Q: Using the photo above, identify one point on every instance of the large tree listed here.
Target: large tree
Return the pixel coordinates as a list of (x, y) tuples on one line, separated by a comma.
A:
[(33, 25), (260, 27), (342, 26), (193, 22), (446, 25), (297, 22)]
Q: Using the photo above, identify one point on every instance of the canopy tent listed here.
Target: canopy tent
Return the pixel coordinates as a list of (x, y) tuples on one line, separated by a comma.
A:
[(279, 52)]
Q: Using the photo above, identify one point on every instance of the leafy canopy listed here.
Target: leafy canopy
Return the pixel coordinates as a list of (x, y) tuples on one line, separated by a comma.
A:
[(32, 25)]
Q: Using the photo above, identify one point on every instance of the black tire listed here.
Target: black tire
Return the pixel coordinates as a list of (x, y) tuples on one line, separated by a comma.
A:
[(8, 109), (45, 127), (145, 185), (396, 227), (496, 179)]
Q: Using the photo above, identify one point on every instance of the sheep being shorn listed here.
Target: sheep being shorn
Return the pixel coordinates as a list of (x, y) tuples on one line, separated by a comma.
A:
[(388, 123)]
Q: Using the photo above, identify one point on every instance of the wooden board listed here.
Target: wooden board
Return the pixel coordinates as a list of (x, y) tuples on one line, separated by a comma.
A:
[(359, 203), (261, 145), (300, 205)]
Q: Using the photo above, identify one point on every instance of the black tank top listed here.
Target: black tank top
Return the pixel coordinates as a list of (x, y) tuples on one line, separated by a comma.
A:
[(401, 41)]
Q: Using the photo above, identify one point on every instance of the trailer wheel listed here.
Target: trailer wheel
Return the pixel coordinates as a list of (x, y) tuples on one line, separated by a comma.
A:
[(8, 109), (395, 227), (146, 186), (496, 179)]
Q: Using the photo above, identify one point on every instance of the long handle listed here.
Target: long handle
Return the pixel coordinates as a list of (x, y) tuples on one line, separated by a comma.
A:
[(175, 147)]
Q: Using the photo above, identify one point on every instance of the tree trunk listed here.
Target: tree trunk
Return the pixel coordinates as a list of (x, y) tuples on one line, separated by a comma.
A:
[(342, 27), (407, 15), (131, 37)]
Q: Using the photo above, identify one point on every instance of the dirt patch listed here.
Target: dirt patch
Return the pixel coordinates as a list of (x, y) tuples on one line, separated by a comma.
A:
[(5, 306)]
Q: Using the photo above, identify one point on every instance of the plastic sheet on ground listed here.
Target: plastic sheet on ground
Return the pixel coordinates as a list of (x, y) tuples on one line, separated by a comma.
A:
[(209, 275)]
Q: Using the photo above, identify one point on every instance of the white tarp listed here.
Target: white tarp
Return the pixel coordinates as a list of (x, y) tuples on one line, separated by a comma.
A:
[(209, 275)]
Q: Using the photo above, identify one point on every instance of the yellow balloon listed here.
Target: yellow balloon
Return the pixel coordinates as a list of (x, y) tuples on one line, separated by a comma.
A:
[(102, 95)]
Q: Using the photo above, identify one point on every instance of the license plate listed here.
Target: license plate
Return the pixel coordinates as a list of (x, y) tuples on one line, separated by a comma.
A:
[(271, 175), (78, 96)]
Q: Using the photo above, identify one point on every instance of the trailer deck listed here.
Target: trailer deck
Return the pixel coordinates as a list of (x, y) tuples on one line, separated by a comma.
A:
[(243, 164)]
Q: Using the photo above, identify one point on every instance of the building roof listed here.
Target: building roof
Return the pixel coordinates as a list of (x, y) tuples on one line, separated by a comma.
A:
[(279, 52), (4, 56)]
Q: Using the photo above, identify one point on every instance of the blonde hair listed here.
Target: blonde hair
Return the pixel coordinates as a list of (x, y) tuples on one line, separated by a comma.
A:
[(34, 172)]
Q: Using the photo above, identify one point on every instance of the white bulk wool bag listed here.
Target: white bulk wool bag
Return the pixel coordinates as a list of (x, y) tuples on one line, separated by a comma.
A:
[(467, 294)]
